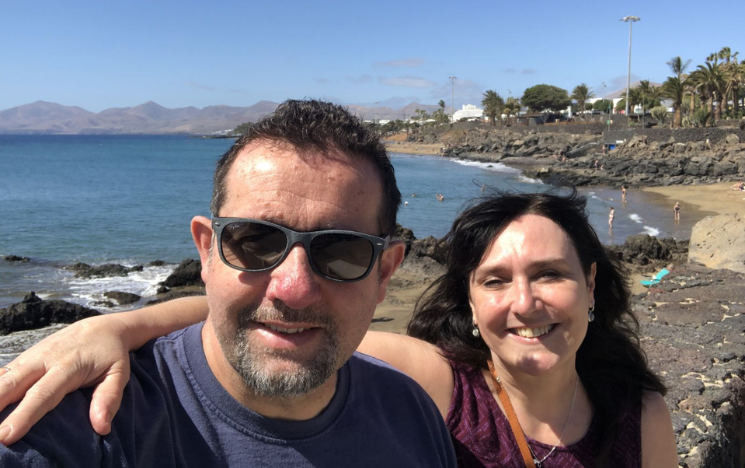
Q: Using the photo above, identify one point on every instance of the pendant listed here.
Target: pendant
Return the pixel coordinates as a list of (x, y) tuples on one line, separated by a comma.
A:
[(538, 464)]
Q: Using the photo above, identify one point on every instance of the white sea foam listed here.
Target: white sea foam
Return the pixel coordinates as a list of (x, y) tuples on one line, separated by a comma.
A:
[(489, 166), (651, 231), (528, 180), (87, 291), (636, 218)]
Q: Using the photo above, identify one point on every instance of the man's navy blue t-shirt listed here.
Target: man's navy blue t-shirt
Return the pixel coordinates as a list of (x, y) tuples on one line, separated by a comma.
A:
[(176, 413)]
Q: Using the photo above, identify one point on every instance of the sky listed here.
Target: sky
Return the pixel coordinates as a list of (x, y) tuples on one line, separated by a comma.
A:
[(114, 53)]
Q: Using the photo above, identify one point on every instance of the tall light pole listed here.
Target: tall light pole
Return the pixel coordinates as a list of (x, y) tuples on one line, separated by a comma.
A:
[(631, 20), (452, 97)]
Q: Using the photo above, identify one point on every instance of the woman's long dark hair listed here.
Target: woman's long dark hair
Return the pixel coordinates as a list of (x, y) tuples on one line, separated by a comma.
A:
[(610, 361)]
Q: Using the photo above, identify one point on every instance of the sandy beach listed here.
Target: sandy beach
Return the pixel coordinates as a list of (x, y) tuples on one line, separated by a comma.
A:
[(713, 198)]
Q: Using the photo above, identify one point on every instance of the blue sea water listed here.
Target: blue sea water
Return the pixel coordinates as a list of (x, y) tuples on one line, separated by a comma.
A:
[(129, 200)]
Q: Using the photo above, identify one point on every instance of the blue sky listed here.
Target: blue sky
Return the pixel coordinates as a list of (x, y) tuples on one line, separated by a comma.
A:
[(102, 54)]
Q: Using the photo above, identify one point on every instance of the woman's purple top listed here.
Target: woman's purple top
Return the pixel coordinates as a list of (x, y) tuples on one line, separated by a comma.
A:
[(482, 436)]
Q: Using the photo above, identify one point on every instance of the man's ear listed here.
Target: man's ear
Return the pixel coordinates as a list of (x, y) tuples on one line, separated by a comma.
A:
[(390, 260), (201, 232)]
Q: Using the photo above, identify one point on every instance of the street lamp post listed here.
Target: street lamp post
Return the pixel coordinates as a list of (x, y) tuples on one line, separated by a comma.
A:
[(452, 98), (631, 20)]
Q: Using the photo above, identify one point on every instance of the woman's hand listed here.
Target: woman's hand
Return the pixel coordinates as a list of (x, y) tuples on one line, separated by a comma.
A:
[(94, 351)]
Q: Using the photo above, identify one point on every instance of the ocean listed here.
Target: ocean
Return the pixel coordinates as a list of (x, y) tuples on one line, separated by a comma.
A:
[(129, 199)]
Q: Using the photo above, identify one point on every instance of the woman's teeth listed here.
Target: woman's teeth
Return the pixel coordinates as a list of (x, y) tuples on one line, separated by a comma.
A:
[(284, 330), (533, 332)]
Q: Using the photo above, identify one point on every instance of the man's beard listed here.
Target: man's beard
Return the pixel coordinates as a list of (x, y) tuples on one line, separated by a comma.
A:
[(253, 362)]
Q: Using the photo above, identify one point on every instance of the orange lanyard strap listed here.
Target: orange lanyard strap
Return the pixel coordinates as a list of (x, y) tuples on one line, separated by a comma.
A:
[(512, 418)]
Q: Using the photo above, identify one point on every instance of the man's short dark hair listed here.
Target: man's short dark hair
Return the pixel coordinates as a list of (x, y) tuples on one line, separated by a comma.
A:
[(311, 125)]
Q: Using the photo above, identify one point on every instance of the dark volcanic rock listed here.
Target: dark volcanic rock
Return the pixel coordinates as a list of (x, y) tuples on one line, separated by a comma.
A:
[(34, 313), (429, 247), (83, 270), (693, 328), (16, 258), (122, 298), (188, 273)]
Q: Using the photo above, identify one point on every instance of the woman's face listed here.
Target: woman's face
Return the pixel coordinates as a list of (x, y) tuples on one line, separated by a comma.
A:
[(530, 297)]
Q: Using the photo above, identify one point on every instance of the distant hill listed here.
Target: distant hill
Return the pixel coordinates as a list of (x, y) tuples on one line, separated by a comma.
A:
[(152, 118)]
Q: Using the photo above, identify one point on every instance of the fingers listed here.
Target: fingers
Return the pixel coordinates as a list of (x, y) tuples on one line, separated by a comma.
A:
[(107, 398), (40, 398), (16, 379)]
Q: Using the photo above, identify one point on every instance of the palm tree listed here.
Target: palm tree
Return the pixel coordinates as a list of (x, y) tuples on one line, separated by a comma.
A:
[(511, 106), (708, 80), (644, 90), (493, 105), (674, 88), (581, 94)]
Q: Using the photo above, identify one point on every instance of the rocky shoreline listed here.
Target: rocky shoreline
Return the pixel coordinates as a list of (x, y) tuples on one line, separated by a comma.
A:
[(578, 155)]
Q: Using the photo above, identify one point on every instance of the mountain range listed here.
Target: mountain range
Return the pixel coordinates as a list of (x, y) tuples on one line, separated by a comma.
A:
[(43, 117)]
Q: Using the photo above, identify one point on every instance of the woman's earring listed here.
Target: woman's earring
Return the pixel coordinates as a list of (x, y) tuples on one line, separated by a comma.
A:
[(591, 313), (475, 331)]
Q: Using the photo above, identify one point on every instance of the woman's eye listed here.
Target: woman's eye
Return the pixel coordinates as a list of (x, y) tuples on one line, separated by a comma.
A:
[(550, 274), (493, 282)]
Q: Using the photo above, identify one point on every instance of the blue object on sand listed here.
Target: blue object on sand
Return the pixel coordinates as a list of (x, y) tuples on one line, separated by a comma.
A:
[(656, 278)]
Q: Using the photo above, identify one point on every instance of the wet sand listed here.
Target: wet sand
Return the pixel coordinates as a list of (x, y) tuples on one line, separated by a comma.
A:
[(714, 198)]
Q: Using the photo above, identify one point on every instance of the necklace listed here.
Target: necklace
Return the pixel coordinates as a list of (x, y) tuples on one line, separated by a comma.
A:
[(505, 398)]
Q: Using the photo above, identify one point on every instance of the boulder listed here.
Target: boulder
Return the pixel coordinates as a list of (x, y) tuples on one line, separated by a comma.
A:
[(429, 247), (16, 258), (83, 270), (33, 313), (732, 139), (642, 249), (122, 298), (719, 242), (188, 273)]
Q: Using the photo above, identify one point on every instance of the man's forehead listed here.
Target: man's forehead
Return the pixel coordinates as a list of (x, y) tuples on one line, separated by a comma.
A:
[(304, 189)]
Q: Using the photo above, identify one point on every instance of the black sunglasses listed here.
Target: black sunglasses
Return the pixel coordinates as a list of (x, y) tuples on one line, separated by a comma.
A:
[(253, 245)]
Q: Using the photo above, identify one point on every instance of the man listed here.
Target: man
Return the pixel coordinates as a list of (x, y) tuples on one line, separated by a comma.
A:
[(295, 259)]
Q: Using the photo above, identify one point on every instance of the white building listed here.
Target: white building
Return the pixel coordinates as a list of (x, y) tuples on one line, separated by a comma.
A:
[(469, 112)]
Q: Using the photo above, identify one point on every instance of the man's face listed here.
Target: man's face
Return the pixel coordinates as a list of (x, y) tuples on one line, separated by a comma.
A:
[(287, 330)]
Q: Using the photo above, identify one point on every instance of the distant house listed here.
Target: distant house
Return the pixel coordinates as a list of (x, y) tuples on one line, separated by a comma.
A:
[(468, 112)]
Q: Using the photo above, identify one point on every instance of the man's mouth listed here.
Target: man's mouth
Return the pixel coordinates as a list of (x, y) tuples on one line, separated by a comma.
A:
[(531, 332), (288, 331)]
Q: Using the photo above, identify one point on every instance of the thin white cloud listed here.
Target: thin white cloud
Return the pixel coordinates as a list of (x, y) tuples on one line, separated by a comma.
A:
[(408, 81), (359, 79), (323, 80), (411, 62)]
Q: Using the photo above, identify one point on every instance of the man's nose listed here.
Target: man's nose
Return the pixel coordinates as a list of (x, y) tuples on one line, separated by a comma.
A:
[(293, 281)]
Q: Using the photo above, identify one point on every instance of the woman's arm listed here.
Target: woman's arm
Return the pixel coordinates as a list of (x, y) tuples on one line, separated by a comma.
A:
[(93, 351), (418, 359), (658, 439)]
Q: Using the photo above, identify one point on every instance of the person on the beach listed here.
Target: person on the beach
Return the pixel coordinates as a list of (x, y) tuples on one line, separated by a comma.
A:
[(611, 214), (738, 186), (292, 281), (623, 194), (532, 317), (676, 210)]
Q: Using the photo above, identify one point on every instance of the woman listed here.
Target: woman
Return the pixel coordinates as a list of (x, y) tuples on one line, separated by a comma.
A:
[(531, 318)]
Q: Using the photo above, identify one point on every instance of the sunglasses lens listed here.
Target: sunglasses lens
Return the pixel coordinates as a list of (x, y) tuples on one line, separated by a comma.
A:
[(341, 256), (252, 246)]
